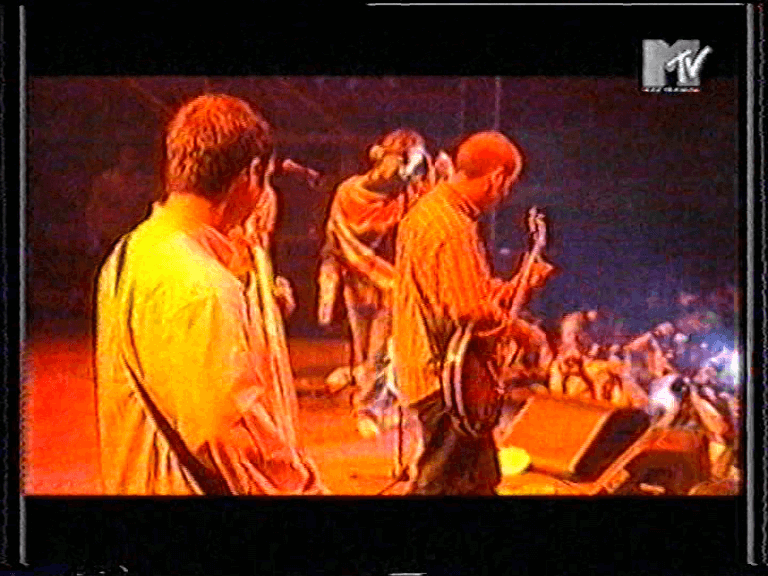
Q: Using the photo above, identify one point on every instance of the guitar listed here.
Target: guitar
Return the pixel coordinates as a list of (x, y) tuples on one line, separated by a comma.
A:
[(472, 390)]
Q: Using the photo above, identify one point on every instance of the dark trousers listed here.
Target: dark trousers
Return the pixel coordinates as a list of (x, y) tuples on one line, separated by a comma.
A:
[(452, 462)]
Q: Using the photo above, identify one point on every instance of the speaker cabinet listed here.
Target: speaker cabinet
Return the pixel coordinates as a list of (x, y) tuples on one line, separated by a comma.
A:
[(572, 438)]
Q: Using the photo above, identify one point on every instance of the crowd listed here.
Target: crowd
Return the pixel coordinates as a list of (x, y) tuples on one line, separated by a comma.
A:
[(685, 372)]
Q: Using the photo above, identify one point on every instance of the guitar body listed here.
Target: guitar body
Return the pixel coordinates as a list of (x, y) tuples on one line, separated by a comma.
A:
[(471, 389)]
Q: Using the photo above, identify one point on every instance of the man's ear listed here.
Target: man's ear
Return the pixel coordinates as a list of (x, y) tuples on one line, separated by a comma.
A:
[(496, 177)]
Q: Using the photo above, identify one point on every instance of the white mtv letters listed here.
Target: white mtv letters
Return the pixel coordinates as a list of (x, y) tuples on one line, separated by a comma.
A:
[(683, 56)]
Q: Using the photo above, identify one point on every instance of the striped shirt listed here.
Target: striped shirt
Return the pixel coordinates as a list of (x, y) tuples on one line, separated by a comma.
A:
[(443, 281)]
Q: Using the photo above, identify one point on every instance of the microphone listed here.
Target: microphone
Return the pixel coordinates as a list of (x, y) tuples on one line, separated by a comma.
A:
[(290, 166)]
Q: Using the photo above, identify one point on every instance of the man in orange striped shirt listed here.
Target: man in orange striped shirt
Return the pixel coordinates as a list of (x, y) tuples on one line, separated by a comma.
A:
[(443, 282)]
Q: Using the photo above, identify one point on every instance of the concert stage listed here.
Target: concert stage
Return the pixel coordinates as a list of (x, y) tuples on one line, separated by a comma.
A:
[(60, 448)]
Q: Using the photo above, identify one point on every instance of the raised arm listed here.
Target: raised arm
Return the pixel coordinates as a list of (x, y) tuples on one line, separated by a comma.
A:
[(365, 211)]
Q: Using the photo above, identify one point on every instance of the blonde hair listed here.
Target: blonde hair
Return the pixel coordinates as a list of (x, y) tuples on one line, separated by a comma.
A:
[(211, 140)]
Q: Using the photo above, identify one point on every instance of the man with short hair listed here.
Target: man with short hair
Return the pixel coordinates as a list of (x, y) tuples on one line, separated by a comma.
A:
[(193, 387), (444, 282)]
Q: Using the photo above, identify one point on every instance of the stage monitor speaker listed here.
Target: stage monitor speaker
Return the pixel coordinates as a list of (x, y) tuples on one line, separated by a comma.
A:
[(571, 438)]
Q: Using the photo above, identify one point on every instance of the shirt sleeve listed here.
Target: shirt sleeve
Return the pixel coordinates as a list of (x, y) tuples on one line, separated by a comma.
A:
[(368, 212)]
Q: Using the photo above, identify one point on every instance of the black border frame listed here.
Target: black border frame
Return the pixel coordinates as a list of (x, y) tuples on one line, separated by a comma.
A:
[(370, 536)]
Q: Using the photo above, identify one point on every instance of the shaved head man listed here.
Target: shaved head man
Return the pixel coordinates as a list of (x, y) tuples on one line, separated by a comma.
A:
[(443, 283)]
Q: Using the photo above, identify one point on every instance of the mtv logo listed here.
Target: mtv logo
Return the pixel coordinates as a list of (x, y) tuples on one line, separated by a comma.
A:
[(683, 56)]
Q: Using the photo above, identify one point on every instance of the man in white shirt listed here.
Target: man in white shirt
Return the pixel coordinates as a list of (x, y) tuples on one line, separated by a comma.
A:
[(193, 385)]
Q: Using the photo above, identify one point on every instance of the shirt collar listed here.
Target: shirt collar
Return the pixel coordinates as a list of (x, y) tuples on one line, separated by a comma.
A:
[(187, 216), (231, 252), (461, 202)]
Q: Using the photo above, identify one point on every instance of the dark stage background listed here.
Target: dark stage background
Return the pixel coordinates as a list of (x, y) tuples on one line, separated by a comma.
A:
[(641, 189)]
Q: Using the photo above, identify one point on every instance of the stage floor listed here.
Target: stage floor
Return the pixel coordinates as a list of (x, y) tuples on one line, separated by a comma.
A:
[(60, 451), (59, 436)]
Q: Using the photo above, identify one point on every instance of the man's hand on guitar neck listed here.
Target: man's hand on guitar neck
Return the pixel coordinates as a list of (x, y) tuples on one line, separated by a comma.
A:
[(541, 271)]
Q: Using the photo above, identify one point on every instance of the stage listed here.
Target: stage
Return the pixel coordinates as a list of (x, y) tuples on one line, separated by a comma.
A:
[(60, 455), (60, 449)]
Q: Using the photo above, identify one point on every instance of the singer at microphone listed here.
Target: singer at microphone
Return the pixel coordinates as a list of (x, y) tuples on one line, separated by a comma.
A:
[(357, 265)]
